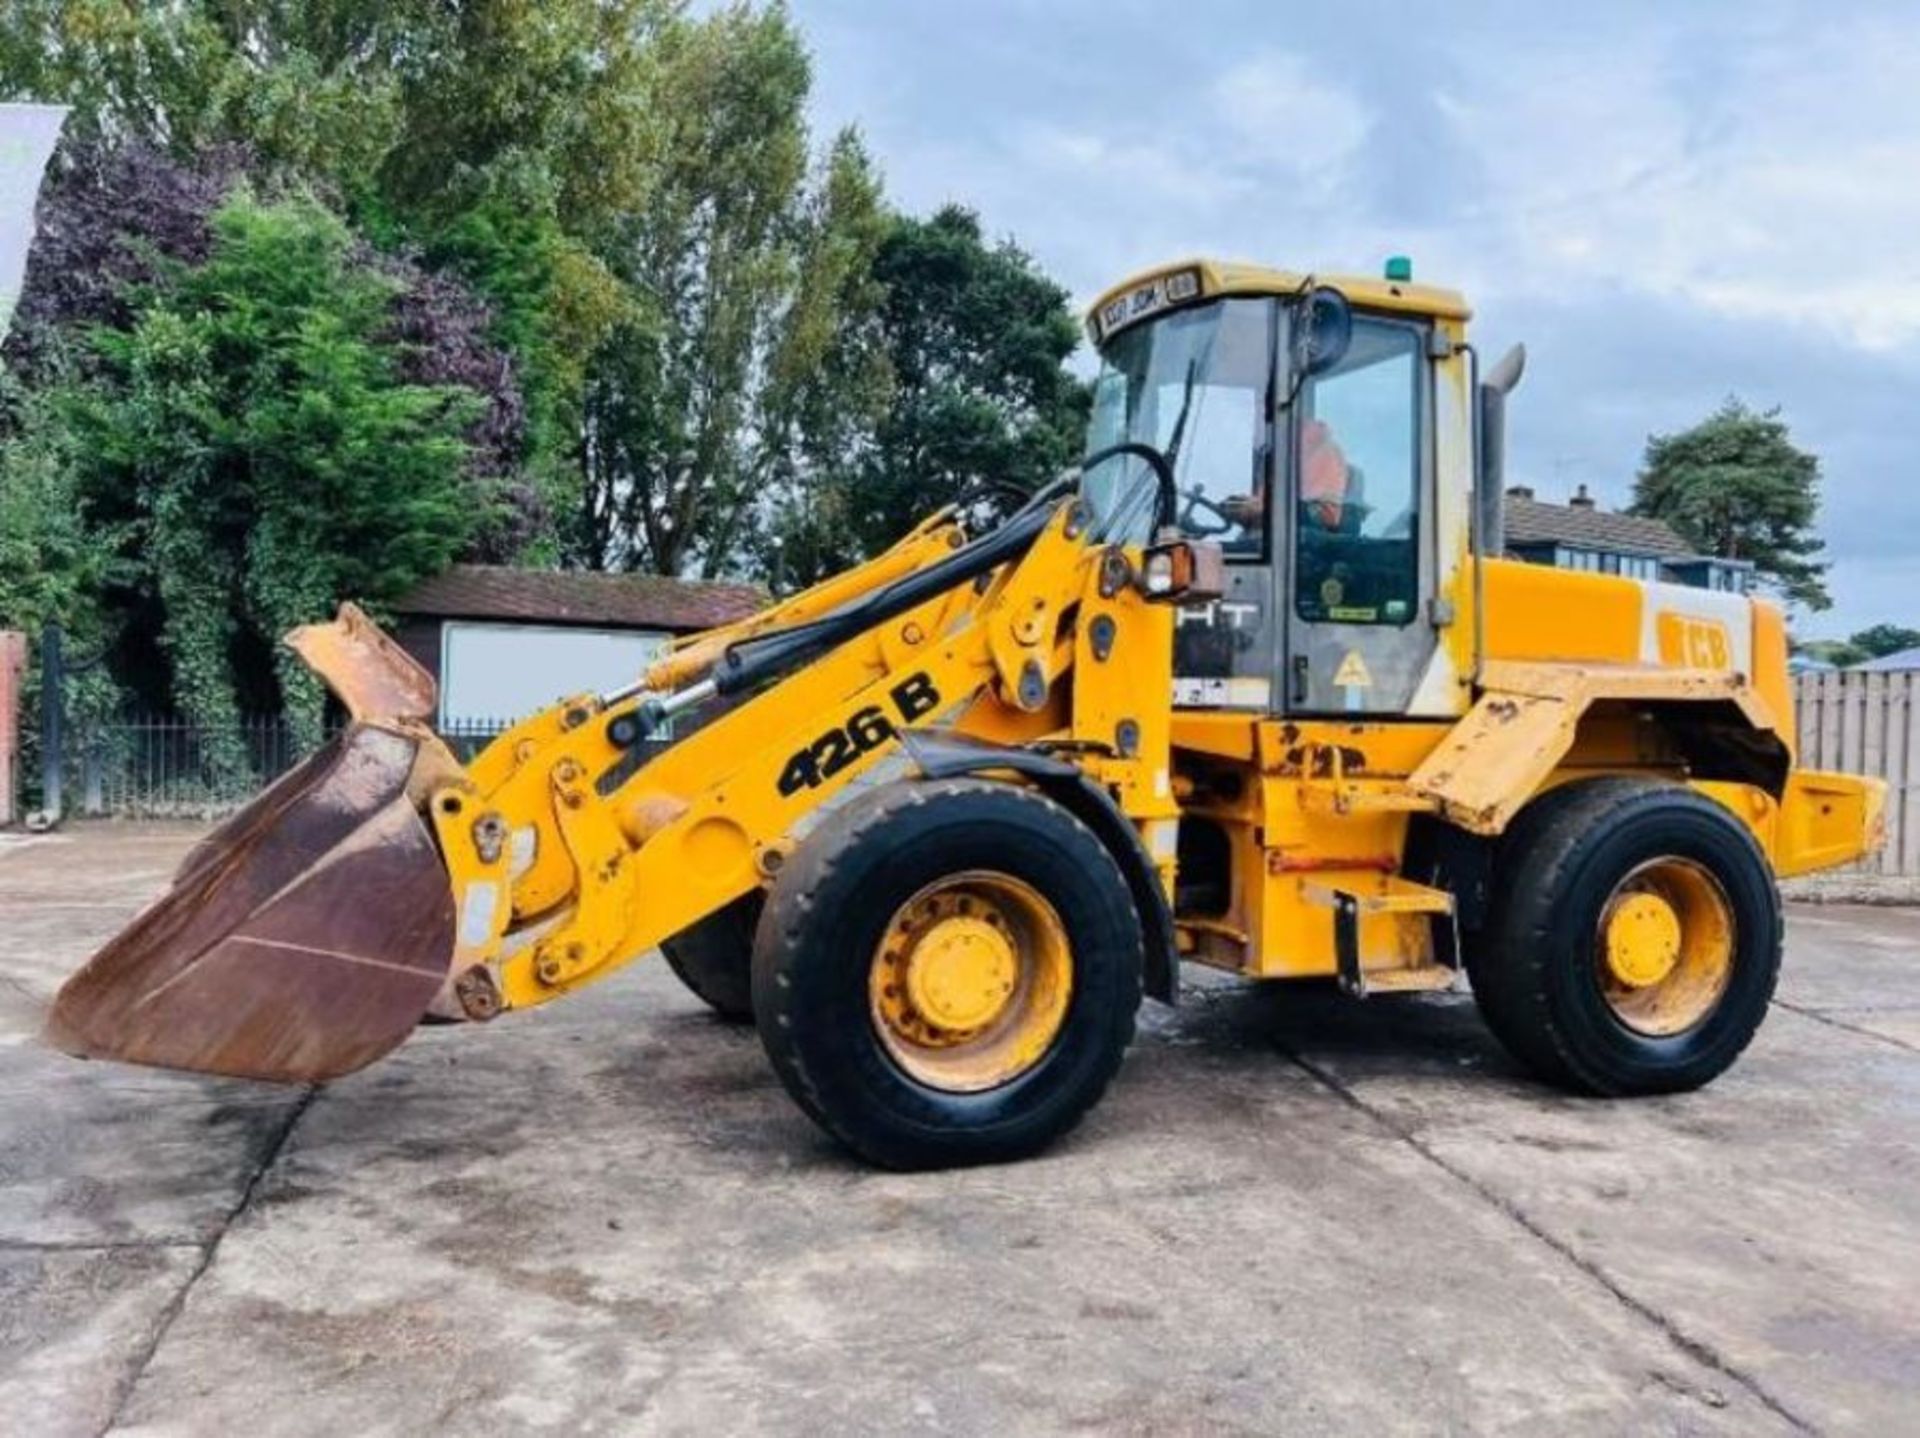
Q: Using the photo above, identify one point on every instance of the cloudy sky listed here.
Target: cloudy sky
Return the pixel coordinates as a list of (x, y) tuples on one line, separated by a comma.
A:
[(1668, 202)]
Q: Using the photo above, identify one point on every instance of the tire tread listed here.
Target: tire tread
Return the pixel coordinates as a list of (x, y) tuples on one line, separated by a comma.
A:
[(795, 902)]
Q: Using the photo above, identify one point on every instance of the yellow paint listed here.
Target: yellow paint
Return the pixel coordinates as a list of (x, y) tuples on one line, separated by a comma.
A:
[(1827, 819), (1665, 947), (1642, 934), (1352, 673), (961, 973), (686, 833), (1532, 609), (1227, 277), (1689, 642), (1527, 721), (1569, 664), (971, 982), (1770, 678)]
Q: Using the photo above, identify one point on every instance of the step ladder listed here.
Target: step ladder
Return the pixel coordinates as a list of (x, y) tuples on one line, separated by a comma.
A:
[(1393, 895)]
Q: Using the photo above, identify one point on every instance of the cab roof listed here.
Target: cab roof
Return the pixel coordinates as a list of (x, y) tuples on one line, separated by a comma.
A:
[(1235, 277)]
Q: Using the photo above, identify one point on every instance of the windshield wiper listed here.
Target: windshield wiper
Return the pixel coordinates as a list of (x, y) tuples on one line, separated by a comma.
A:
[(1172, 450), (1129, 505)]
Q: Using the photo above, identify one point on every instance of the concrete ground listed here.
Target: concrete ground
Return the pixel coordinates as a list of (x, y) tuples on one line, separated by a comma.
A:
[(1292, 1212)]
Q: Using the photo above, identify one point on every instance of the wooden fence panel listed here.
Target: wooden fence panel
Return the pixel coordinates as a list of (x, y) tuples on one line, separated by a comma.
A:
[(1869, 724)]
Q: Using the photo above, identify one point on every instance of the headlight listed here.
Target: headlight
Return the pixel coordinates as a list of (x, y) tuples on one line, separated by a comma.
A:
[(1183, 569), (1157, 573)]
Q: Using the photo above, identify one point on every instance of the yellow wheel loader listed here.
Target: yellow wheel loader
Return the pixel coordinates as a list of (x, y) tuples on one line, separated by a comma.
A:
[(1251, 688)]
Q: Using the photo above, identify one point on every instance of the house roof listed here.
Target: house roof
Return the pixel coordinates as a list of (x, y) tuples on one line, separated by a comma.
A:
[(546, 596), (1533, 521), (1886, 663)]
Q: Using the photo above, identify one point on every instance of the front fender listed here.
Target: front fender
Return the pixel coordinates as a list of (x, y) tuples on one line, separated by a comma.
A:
[(939, 755)]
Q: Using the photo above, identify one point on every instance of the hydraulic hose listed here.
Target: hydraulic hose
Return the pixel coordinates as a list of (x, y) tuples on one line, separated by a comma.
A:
[(765, 656)]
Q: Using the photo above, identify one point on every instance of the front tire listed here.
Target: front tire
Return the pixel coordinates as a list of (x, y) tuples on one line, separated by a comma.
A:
[(947, 973), (1635, 939)]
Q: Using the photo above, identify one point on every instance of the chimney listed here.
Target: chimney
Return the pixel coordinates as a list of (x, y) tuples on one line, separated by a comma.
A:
[(1519, 491), (1581, 499)]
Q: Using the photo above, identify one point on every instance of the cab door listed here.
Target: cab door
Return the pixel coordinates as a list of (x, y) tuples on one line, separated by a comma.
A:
[(1359, 585)]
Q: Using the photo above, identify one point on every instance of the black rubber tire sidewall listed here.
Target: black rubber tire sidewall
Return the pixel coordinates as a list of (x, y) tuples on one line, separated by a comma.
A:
[(825, 919), (714, 958), (1550, 933)]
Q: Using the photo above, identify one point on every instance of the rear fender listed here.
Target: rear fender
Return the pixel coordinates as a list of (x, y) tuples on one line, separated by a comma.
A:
[(1500, 755)]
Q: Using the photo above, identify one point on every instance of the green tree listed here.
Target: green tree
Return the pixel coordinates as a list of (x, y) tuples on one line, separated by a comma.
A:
[(300, 82), (249, 434), (976, 341), (748, 282), (1735, 486), (394, 102), (1838, 652), (504, 138), (1879, 639), (713, 330), (54, 564)]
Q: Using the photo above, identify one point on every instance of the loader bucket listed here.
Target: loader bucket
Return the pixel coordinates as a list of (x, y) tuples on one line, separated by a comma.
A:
[(306, 936)]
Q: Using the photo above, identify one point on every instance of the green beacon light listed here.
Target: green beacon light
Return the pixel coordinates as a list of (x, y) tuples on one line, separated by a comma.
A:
[(1400, 269)]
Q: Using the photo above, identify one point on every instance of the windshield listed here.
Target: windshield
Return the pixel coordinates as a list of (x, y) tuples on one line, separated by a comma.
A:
[(1194, 384)]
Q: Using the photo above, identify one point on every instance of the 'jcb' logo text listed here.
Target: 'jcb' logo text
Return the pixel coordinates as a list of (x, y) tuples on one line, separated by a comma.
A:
[(1694, 643)]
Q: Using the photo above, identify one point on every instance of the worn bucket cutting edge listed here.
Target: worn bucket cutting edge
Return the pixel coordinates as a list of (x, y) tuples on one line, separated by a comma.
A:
[(307, 935)]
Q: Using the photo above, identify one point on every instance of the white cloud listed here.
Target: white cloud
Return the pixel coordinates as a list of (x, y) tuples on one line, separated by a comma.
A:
[(1668, 202), (1143, 168), (1779, 188), (1288, 117)]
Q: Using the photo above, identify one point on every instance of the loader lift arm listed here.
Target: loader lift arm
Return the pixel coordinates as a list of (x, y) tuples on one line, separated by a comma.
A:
[(555, 858), (610, 864)]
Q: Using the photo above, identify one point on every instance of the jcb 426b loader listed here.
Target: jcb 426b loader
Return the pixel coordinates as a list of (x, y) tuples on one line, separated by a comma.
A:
[(1249, 688)]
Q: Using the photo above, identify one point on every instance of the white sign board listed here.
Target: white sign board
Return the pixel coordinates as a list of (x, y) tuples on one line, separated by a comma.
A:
[(491, 674), (28, 134)]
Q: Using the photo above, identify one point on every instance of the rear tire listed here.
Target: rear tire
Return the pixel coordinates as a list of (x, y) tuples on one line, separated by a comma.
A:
[(861, 907), (714, 958), (1565, 973)]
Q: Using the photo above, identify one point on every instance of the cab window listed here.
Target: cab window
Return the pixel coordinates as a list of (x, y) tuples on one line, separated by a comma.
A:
[(1194, 385), (1357, 472)]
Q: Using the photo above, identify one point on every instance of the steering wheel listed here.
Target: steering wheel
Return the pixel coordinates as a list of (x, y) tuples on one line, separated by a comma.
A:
[(1191, 523), (1169, 497)]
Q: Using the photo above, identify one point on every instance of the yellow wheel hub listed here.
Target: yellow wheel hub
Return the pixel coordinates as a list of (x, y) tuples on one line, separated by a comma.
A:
[(961, 974), (970, 983), (1643, 940), (1665, 947)]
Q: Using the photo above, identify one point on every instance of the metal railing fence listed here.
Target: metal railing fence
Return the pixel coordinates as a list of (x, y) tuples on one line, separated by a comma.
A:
[(161, 766), (146, 766)]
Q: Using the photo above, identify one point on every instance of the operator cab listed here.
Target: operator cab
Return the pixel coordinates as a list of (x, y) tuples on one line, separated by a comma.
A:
[(1299, 421)]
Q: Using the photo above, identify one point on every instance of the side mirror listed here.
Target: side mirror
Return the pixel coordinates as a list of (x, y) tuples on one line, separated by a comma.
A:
[(1323, 326)]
